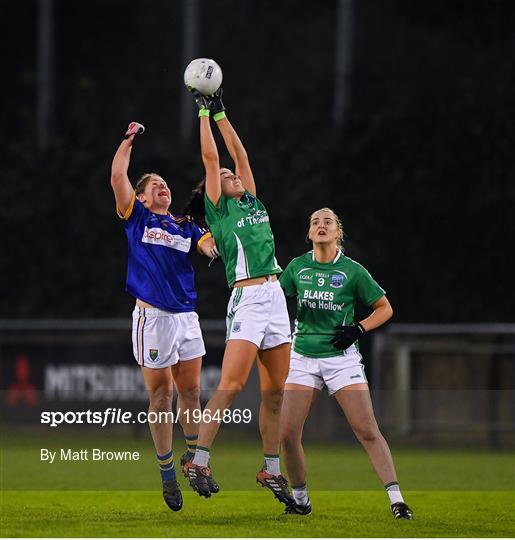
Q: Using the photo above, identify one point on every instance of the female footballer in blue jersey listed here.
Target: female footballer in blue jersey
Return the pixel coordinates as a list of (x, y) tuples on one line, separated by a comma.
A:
[(257, 317), (166, 336), (327, 285)]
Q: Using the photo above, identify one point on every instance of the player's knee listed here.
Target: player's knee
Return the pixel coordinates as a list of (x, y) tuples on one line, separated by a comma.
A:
[(190, 394), (160, 399), (366, 433), (232, 386)]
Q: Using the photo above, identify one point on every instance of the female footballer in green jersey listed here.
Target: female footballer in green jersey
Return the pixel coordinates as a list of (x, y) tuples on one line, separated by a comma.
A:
[(257, 316), (327, 285)]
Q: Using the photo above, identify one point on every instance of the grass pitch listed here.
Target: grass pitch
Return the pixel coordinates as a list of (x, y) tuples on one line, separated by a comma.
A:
[(453, 494), (251, 514)]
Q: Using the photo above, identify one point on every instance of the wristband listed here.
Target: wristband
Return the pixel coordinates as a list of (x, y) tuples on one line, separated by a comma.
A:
[(219, 116), (203, 112), (361, 328)]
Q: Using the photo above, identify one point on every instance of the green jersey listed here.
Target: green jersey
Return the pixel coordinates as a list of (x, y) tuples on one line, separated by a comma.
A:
[(242, 233), (326, 296)]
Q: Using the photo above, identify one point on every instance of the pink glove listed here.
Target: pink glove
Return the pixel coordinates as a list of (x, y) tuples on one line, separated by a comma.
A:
[(134, 129)]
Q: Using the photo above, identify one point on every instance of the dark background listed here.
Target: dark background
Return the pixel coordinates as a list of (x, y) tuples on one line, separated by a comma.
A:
[(421, 173)]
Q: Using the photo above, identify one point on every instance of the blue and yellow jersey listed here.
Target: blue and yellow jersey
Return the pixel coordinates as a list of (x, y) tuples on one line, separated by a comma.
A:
[(159, 269)]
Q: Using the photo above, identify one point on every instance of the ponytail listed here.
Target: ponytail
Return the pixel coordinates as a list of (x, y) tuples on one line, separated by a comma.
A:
[(195, 208)]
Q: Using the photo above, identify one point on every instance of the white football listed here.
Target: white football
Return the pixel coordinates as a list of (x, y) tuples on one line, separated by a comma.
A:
[(203, 74)]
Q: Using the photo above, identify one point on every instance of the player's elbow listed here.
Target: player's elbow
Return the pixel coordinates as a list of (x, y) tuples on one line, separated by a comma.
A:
[(209, 156), (117, 178), (385, 309), (241, 155), (388, 312)]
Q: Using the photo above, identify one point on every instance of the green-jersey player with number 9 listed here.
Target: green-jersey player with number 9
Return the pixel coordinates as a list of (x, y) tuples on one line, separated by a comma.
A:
[(327, 285)]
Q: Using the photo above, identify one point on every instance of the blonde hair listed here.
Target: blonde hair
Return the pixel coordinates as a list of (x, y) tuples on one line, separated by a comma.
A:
[(143, 181), (341, 232)]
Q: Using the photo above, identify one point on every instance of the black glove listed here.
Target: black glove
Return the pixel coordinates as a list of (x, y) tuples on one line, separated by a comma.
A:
[(201, 101), (216, 105), (346, 335)]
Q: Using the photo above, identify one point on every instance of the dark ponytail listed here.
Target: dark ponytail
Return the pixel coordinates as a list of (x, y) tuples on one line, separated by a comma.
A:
[(195, 208)]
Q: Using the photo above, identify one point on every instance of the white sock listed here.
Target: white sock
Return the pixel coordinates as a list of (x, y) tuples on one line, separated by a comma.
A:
[(201, 457), (300, 494), (272, 464), (394, 493)]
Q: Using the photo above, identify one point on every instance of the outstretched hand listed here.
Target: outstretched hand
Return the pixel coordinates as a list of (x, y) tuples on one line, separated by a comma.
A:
[(201, 100), (215, 102), (134, 129)]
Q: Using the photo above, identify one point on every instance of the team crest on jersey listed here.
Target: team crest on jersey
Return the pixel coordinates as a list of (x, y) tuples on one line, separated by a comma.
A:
[(337, 280), (236, 327), (153, 353)]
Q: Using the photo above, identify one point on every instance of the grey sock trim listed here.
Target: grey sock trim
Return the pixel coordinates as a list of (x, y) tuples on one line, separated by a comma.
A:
[(391, 484)]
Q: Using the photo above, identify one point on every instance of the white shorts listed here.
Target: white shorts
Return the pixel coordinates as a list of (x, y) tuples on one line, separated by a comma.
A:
[(160, 338), (335, 372), (258, 313)]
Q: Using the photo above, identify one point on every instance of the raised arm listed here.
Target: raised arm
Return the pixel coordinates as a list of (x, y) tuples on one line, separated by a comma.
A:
[(122, 187), (208, 150), (233, 143)]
